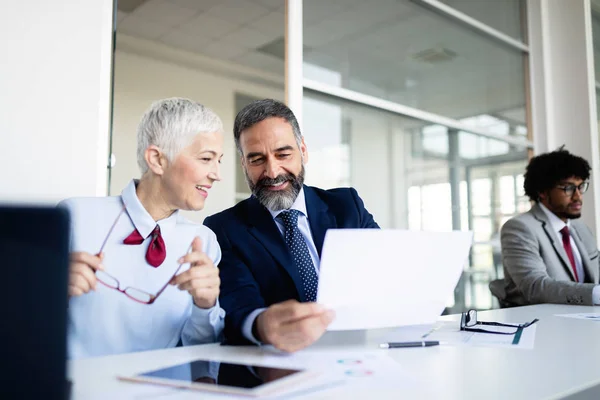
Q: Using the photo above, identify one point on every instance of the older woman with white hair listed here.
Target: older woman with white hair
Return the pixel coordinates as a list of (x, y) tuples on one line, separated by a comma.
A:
[(142, 276)]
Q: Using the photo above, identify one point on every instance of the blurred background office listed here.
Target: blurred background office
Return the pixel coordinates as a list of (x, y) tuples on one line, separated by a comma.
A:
[(430, 109)]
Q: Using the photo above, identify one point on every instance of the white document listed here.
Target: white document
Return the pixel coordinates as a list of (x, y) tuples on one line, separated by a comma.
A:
[(378, 278), (587, 316), (362, 369), (450, 334)]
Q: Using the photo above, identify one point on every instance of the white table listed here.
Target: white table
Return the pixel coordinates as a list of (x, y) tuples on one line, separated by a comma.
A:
[(563, 363)]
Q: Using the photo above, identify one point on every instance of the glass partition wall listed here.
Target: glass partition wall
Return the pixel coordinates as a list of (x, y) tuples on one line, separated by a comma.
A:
[(424, 113)]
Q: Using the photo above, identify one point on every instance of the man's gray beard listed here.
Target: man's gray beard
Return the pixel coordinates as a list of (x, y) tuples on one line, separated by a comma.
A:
[(276, 201), (281, 199)]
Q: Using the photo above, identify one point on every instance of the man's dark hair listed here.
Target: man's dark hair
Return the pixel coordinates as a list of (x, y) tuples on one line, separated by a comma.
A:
[(548, 169), (260, 110)]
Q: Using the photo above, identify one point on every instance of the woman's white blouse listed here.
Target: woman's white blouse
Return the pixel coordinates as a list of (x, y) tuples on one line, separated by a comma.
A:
[(108, 322)]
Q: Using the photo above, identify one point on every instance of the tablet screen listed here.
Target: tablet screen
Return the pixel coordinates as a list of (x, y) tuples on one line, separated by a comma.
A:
[(222, 374)]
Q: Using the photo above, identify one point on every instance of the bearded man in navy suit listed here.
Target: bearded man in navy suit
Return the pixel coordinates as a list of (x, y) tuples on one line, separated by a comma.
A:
[(271, 242)]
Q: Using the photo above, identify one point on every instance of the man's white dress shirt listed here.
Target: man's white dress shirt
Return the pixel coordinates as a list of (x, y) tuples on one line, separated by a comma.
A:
[(105, 321)]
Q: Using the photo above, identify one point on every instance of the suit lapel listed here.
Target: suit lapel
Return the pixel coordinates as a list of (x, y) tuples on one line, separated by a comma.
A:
[(590, 272), (264, 229), (319, 217), (552, 236)]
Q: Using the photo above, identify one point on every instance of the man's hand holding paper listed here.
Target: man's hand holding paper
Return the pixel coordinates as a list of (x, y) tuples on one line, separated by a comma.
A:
[(291, 326)]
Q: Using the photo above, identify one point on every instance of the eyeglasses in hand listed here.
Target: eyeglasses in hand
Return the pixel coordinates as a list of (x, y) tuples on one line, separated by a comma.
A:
[(139, 295), (469, 319)]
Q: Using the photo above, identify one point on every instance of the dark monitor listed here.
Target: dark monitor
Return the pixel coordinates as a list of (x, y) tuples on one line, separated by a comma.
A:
[(34, 259)]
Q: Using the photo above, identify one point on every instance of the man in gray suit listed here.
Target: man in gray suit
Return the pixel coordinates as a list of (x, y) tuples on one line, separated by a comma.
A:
[(548, 255)]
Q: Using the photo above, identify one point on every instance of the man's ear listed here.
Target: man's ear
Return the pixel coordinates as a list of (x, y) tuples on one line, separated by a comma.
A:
[(542, 196), (156, 160), (303, 151)]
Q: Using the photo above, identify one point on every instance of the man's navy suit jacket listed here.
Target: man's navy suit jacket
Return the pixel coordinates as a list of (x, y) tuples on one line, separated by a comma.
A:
[(256, 268)]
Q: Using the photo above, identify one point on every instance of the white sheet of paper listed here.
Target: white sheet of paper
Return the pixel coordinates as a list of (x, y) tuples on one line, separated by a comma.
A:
[(586, 316), (362, 369), (377, 278)]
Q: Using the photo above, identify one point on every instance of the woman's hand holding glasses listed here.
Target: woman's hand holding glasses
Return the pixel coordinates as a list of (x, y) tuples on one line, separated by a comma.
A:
[(201, 280), (82, 272)]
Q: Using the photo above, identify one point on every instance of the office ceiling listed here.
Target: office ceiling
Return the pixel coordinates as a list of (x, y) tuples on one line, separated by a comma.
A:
[(224, 29), (389, 48)]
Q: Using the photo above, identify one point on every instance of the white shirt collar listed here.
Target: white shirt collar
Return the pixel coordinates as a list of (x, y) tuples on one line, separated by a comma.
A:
[(299, 204), (140, 218), (557, 223)]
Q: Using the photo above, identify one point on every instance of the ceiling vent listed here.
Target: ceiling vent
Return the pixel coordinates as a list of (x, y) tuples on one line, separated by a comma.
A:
[(128, 6), (434, 55), (276, 48)]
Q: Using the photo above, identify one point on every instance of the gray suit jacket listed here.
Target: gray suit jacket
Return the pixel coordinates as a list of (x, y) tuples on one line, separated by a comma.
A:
[(536, 267)]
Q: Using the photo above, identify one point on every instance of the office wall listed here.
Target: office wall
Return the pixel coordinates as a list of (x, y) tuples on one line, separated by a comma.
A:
[(370, 167), (144, 72), (54, 99), (563, 88)]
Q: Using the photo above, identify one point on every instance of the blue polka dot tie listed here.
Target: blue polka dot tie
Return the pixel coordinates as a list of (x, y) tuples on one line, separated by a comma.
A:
[(297, 245)]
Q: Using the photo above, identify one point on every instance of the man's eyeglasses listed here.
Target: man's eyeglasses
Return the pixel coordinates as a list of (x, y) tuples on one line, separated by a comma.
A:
[(469, 319), (570, 189), (139, 295)]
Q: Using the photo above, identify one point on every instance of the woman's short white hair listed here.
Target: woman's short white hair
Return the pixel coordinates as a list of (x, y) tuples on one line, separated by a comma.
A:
[(171, 124)]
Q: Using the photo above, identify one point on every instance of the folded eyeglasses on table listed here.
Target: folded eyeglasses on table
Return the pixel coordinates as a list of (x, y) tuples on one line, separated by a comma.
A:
[(468, 321)]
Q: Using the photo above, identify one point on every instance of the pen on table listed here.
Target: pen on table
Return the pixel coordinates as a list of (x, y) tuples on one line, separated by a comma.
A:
[(396, 345)]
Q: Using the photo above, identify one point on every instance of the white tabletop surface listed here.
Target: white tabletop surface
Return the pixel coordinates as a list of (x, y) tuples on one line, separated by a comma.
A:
[(562, 363)]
